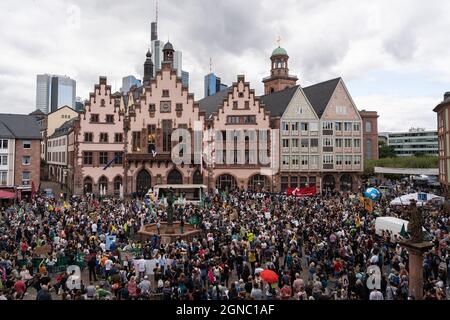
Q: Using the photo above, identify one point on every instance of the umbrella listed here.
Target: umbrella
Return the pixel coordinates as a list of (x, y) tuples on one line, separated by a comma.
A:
[(269, 276)]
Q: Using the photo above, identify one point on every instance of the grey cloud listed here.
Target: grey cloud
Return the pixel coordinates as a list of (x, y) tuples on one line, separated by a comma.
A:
[(113, 37)]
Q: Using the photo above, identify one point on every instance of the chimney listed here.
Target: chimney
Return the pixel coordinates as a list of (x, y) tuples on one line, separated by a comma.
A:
[(447, 95)]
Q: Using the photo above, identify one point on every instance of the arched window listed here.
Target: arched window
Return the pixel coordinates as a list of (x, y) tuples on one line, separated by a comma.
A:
[(257, 182), (328, 182), (346, 183), (226, 182), (103, 184), (143, 181), (117, 185), (174, 177), (197, 178), (368, 126), (87, 185), (368, 149)]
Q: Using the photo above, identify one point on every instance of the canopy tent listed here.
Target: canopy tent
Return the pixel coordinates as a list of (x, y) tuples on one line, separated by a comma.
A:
[(7, 195), (421, 198), (407, 171)]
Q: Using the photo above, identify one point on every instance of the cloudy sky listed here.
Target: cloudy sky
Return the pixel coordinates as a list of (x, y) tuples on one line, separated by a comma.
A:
[(394, 55)]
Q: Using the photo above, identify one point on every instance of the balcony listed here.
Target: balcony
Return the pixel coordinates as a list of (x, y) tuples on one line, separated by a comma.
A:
[(327, 149), (294, 132), (328, 166), (285, 132), (294, 149), (327, 132)]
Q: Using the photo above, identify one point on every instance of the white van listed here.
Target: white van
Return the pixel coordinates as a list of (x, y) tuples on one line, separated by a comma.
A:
[(393, 225)]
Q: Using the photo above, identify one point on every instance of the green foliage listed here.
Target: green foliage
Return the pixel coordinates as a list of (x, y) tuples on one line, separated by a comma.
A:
[(401, 162), (385, 151)]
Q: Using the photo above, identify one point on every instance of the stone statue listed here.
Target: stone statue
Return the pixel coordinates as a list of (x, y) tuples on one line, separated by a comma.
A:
[(415, 224), (170, 200)]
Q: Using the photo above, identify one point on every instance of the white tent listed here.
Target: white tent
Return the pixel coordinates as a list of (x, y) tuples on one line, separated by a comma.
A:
[(424, 199)]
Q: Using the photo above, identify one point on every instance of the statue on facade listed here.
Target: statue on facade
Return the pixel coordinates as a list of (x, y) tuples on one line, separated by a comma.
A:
[(415, 224)]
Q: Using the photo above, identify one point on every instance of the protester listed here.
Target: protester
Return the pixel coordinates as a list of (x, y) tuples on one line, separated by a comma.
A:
[(319, 246)]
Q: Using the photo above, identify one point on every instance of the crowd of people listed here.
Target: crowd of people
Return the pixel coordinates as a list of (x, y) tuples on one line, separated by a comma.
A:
[(322, 248)]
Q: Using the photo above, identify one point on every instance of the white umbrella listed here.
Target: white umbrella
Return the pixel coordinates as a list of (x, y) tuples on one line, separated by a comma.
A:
[(406, 199)]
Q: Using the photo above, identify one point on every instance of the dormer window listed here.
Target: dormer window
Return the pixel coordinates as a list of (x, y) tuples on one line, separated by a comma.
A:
[(165, 93), (179, 107), (241, 94), (152, 108), (102, 102)]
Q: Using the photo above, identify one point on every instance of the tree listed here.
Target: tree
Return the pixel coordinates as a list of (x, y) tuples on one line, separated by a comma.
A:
[(385, 151)]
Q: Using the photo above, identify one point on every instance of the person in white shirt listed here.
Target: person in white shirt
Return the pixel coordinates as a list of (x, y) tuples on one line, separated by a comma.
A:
[(376, 295), (108, 266), (141, 267), (94, 228)]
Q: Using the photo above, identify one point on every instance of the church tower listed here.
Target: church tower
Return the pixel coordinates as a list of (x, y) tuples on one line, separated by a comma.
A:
[(168, 52), (279, 78), (148, 69)]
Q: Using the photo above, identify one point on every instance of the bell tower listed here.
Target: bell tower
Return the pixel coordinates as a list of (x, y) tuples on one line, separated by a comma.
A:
[(279, 78)]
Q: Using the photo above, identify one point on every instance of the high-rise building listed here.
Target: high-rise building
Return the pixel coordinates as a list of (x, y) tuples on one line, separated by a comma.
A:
[(157, 55), (43, 85), (178, 62), (185, 78), (79, 105), (54, 92), (128, 82), (213, 85)]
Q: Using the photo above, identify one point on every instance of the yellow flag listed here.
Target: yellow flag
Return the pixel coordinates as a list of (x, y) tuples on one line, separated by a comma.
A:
[(357, 221)]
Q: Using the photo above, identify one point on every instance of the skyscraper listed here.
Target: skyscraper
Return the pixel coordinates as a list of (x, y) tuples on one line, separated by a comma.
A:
[(157, 56), (54, 92), (128, 82), (185, 78), (213, 85)]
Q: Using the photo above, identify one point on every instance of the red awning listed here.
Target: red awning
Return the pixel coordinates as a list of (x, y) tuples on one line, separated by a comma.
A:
[(6, 195)]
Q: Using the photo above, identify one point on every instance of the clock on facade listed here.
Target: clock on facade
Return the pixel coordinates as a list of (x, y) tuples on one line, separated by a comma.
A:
[(165, 106)]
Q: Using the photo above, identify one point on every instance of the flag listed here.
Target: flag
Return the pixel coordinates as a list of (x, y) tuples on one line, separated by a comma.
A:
[(112, 161), (368, 205), (193, 220), (357, 221), (289, 191)]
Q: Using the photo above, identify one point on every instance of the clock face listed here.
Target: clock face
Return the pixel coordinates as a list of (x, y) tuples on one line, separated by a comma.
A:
[(165, 106)]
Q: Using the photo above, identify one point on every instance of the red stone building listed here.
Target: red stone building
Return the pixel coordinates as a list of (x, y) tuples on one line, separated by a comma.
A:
[(442, 110), (370, 134)]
